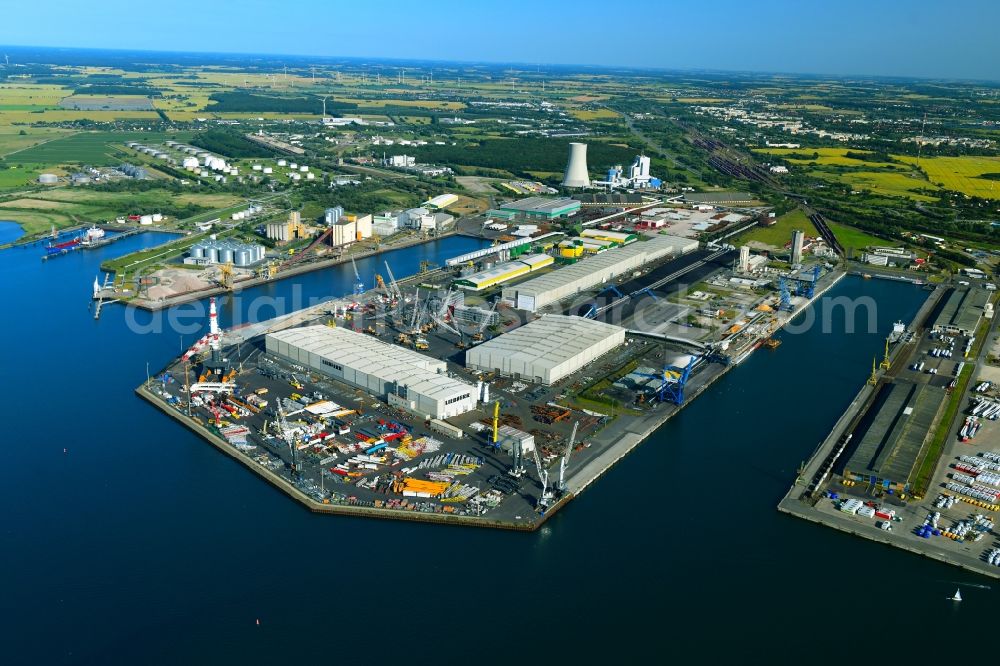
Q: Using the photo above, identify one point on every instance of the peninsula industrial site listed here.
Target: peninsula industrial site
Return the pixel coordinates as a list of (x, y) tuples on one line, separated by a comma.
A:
[(492, 390)]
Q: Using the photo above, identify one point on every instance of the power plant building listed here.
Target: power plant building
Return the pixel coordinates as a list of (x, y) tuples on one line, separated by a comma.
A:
[(403, 378), (576, 174), (539, 292), (547, 349)]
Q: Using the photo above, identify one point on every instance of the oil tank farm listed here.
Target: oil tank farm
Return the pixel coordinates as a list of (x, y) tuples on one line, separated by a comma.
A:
[(503, 272), (539, 292), (403, 378), (547, 349)]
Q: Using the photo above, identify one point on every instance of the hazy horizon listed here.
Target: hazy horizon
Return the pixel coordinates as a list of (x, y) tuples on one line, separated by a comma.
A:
[(775, 37)]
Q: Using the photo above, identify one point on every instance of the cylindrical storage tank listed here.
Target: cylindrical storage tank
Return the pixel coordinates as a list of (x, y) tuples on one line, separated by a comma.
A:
[(157, 217), (198, 251), (226, 255), (243, 258), (213, 255)]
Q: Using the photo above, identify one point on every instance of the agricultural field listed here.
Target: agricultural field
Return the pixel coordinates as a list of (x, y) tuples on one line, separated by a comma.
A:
[(94, 148), (106, 102), (780, 232), (826, 157), (415, 103), (63, 207), (883, 182), (596, 114), (21, 175), (12, 141), (961, 174)]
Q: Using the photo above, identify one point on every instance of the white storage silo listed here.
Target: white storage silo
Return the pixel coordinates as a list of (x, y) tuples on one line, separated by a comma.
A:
[(213, 254), (198, 251), (242, 258)]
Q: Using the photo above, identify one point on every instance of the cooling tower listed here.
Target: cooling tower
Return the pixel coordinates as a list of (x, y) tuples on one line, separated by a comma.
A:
[(576, 167)]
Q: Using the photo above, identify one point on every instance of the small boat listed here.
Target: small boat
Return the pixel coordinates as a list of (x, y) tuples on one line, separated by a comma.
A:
[(867, 276), (771, 343), (957, 597)]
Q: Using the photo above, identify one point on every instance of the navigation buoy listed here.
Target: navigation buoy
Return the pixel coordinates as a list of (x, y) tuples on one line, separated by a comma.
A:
[(258, 622), (64, 450)]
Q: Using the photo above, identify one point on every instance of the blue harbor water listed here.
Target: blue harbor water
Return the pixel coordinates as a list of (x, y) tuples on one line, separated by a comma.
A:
[(127, 539), (9, 232)]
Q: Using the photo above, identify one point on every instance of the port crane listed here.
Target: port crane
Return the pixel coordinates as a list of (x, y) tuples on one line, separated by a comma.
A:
[(545, 500), (564, 463), (285, 433), (392, 283), (673, 378), (359, 285)]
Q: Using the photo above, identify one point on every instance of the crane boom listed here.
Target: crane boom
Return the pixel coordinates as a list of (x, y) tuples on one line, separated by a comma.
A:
[(564, 463), (393, 283)]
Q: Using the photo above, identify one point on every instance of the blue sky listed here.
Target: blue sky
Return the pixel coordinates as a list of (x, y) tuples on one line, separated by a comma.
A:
[(956, 39)]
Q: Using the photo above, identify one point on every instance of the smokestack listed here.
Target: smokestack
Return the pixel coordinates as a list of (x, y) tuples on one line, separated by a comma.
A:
[(576, 168)]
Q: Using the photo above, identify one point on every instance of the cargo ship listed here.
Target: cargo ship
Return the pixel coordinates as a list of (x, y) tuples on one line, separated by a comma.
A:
[(62, 248), (91, 235)]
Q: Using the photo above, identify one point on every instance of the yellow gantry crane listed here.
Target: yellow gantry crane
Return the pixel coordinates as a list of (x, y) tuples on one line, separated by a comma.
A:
[(873, 380), (496, 421), (885, 364)]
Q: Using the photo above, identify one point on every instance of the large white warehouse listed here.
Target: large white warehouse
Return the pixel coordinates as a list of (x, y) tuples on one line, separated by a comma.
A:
[(401, 377), (533, 295), (547, 349)]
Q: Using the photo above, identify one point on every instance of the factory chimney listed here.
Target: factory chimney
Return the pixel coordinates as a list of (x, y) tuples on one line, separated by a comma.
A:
[(576, 168)]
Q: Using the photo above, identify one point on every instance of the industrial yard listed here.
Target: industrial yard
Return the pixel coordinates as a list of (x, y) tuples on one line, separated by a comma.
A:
[(485, 398), (913, 461)]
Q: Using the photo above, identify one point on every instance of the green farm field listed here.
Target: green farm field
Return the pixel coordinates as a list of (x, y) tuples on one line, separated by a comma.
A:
[(95, 148)]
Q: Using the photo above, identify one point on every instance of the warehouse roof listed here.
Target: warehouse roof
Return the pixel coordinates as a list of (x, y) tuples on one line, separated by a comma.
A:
[(369, 355), (891, 444), (541, 204), (655, 248), (963, 309), (548, 341)]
